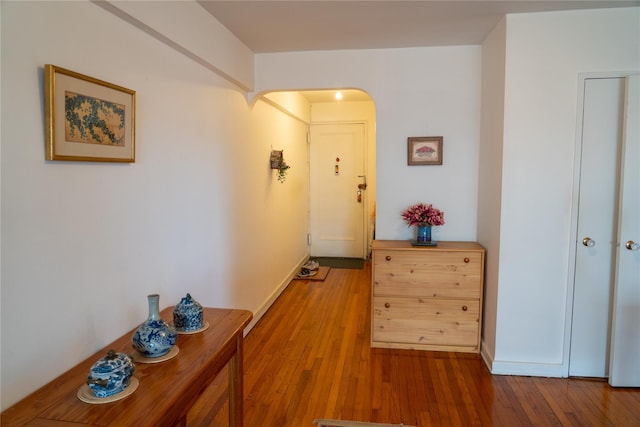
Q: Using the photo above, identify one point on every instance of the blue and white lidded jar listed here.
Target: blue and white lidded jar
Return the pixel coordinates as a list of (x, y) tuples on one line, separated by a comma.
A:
[(111, 374), (155, 337), (187, 315)]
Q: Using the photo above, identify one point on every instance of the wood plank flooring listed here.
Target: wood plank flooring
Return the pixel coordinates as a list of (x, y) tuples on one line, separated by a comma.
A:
[(309, 357)]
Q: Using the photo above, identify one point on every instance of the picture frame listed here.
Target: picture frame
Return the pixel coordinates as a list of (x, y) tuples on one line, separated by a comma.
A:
[(88, 119), (424, 150)]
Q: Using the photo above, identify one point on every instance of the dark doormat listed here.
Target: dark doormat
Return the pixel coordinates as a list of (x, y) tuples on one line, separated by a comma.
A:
[(340, 262)]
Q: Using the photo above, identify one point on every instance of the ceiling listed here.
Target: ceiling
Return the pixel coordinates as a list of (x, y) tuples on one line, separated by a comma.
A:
[(289, 26)]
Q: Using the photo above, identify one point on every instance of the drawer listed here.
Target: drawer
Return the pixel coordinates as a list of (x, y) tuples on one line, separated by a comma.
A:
[(416, 321), (429, 273)]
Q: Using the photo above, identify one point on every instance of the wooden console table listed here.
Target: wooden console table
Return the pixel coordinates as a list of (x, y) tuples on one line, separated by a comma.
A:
[(167, 389)]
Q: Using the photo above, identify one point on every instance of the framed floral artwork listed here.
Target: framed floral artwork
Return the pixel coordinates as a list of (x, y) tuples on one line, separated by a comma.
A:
[(425, 150), (88, 119)]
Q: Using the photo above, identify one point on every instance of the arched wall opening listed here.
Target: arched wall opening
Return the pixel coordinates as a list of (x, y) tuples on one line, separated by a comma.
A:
[(336, 106)]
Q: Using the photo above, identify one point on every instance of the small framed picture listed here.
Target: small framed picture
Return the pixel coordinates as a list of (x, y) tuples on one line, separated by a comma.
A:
[(425, 150), (88, 119)]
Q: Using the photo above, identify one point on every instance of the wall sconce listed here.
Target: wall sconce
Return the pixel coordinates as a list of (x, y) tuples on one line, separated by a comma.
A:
[(276, 160)]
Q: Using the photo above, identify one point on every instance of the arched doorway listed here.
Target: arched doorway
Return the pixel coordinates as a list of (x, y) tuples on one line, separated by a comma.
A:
[(342, 169)]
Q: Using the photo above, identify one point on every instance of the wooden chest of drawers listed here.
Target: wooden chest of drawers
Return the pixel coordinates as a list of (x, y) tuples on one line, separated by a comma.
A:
[(427, 298)]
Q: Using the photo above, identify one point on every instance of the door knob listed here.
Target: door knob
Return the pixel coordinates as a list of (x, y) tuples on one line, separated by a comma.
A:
[(632, 246), (589, 242)]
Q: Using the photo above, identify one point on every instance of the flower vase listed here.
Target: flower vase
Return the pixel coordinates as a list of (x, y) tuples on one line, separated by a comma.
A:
[(154, 338), (423, 233)]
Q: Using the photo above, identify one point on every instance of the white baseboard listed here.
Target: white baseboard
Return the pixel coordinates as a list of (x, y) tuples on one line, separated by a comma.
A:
[(274, 295), (486, 356), (528, 369)]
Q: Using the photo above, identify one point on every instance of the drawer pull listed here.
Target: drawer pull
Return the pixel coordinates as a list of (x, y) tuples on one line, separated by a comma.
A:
[(464, 308), (466, 260), (388, 258), (387, 305)]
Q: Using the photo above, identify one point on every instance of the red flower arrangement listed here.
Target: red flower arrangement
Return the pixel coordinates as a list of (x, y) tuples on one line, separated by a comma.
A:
[(422, 214)]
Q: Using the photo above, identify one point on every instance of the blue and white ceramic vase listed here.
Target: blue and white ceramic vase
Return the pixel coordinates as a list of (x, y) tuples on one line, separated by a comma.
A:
[(154, 338), (187, 315), (423, 233), (111, 374)]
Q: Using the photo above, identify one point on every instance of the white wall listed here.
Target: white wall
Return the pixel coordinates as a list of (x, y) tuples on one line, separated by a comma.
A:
[(540, 108), (417, 92), (186, 27), (490, 176), (291, 103), (200, 211)]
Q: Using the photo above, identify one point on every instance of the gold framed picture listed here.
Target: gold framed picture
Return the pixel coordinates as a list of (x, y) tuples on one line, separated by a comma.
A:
[(88, 119), (425, 150)]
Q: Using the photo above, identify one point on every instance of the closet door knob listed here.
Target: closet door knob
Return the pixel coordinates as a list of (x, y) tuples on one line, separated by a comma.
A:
[(588, 242), (466, 260), (387, 305), (464, 308), (632, 246), (388, 258)]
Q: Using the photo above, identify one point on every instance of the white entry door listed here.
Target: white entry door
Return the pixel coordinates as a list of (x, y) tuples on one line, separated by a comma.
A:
[(337, 204), (600, 221)]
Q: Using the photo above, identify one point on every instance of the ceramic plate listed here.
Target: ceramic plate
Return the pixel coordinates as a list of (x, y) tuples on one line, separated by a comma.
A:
[(86, 395), (205, 326), (139, 357)]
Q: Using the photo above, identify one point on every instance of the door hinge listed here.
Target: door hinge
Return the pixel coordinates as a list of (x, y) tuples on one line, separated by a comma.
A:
[(308, 239)]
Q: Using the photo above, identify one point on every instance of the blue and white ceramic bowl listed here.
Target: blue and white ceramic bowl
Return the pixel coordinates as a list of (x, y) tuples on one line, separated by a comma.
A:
[(187, 315), (111, 374)]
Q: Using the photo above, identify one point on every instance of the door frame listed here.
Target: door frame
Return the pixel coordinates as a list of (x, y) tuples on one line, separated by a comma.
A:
[(365, 198), (582, 77)]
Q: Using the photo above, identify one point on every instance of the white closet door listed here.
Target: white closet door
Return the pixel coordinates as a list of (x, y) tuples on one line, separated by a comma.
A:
[(597, 225), (624, 369)]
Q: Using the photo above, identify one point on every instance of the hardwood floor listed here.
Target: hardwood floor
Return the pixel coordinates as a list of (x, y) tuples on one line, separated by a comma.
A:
[(309, 357)]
